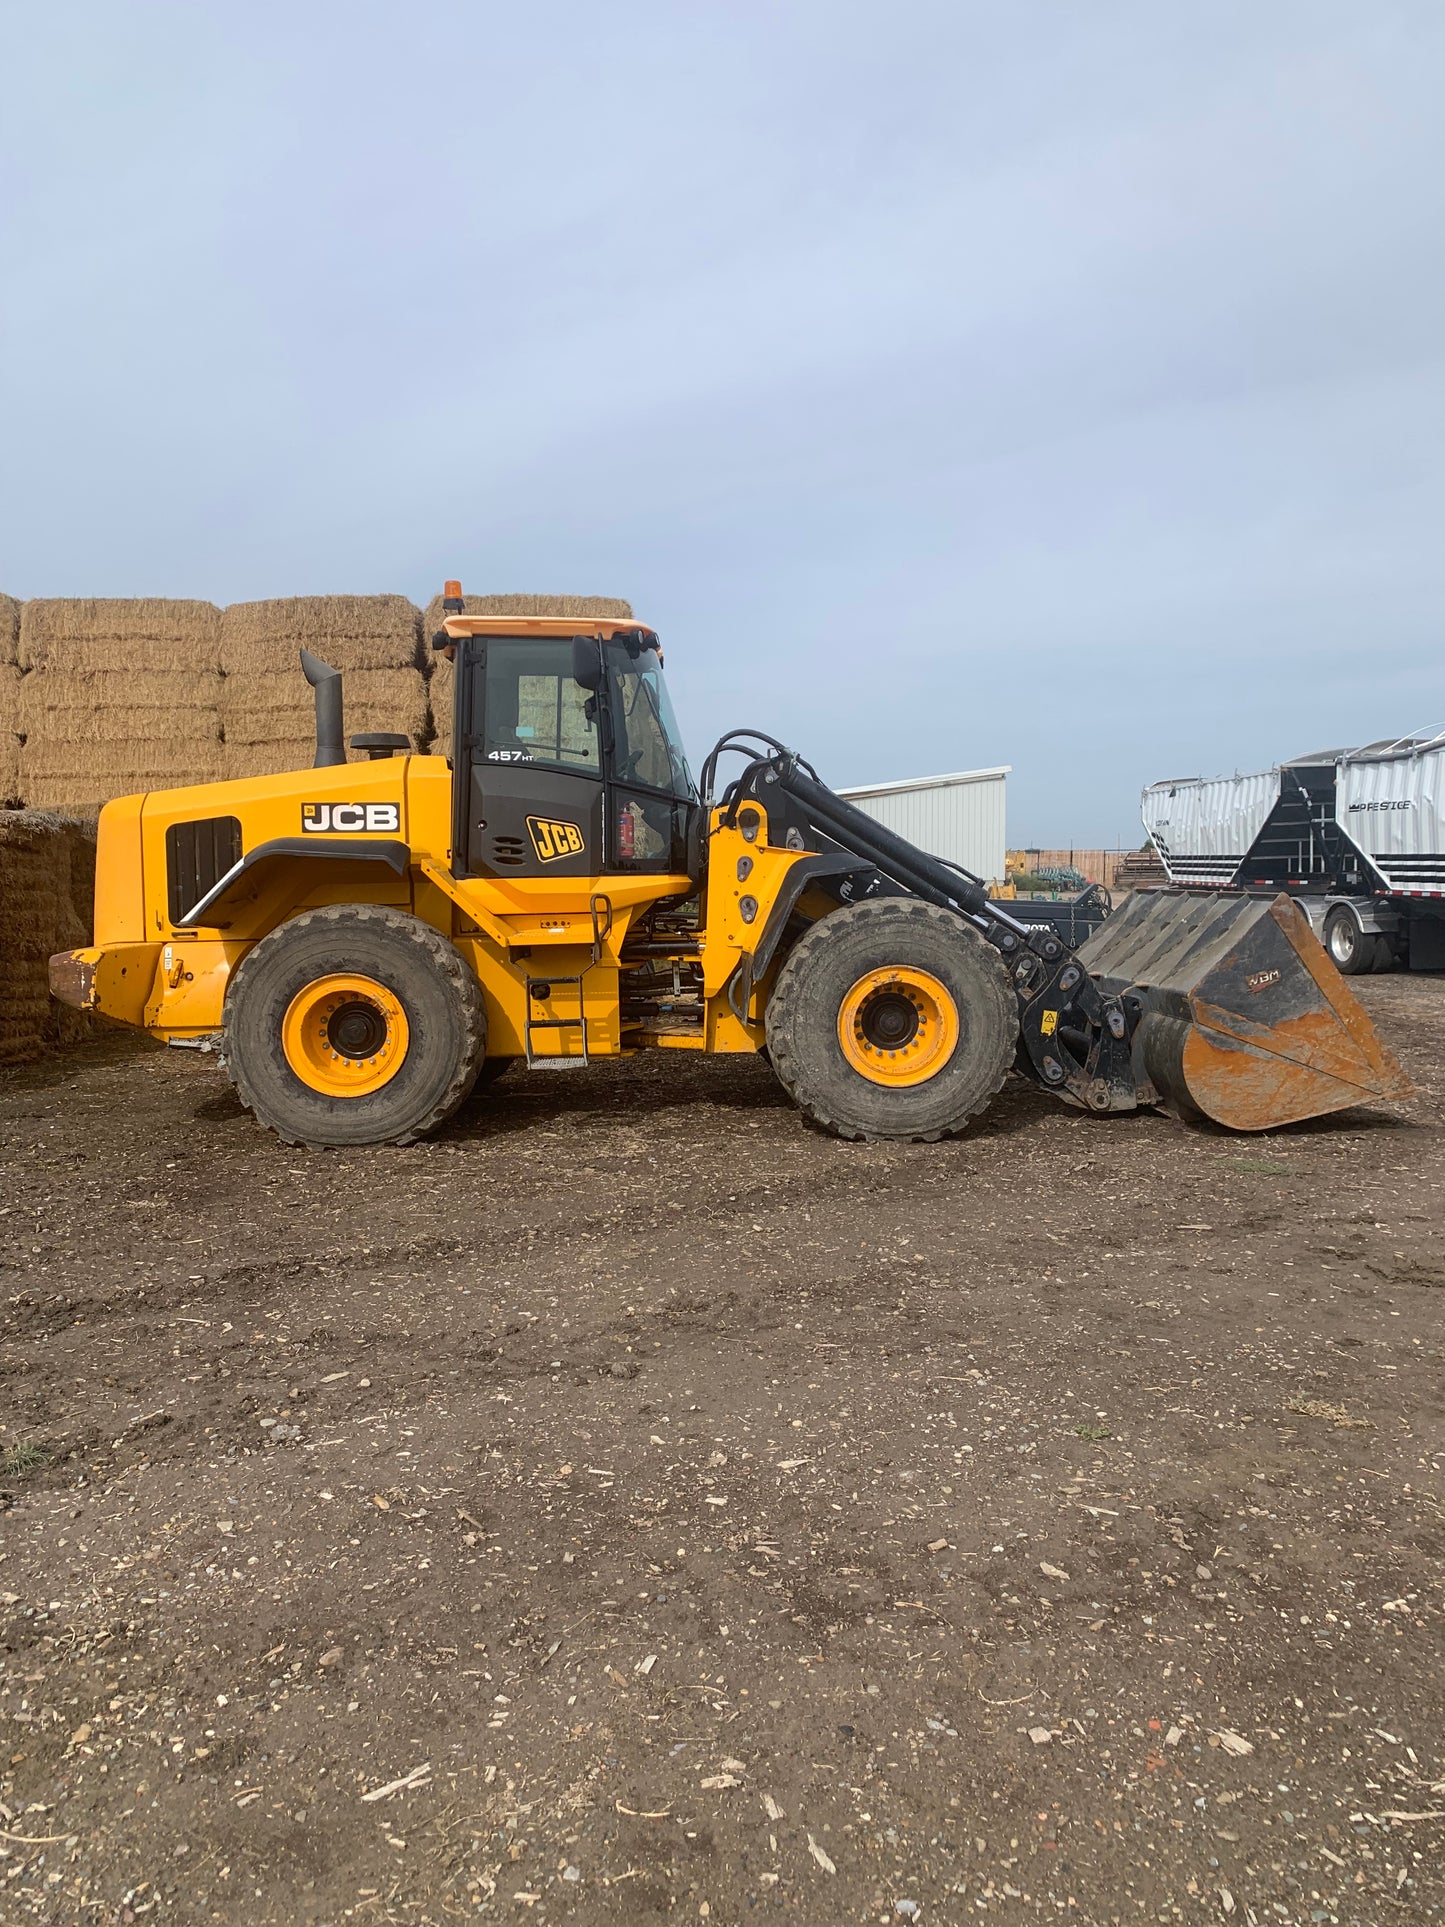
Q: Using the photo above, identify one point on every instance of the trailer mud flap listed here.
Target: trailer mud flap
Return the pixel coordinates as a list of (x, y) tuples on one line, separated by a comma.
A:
[(1239, 1016)]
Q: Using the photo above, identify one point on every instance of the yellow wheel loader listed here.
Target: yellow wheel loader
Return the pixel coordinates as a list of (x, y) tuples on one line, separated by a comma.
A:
[(367, 939)]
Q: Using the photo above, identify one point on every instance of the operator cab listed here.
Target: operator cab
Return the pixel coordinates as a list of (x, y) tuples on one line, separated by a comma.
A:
[(566, 754)]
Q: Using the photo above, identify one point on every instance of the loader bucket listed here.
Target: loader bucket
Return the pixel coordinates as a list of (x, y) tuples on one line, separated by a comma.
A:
[(1242, 1017)]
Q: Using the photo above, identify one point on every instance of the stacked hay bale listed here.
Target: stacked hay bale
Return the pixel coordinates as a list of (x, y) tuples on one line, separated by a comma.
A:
[(117, 696), (47, 886), (439, 686), (9, 701), (267, 713)]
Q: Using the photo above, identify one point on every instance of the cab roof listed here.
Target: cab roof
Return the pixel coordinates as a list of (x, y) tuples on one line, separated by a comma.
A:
[(604, 626)]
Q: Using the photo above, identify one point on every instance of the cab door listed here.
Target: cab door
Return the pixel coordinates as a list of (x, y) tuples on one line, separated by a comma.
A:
[(533, 784), (653, 813)]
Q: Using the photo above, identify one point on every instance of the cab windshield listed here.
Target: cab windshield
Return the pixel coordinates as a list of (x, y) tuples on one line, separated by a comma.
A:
[(649, 743)]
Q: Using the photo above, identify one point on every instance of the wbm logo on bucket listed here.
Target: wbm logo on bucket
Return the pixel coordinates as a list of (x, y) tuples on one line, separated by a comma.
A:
[(553, 840), (343, 819)]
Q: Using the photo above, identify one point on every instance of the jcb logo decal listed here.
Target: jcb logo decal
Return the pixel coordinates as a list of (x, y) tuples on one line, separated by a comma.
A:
[(331, 819), (553, 840)]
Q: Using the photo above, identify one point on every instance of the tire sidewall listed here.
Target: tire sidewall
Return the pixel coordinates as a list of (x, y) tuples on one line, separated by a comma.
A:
[(1353, 964), (373, 945), (802, 1019)]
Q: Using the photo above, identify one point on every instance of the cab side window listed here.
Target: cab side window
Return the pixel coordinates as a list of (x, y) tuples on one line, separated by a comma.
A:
[(534, 710)]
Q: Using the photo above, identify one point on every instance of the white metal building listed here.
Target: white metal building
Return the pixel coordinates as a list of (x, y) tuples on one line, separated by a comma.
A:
[(959, 817)]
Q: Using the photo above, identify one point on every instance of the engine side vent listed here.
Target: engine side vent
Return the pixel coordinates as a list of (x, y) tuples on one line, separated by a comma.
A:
[(508, 851), (198, 855)]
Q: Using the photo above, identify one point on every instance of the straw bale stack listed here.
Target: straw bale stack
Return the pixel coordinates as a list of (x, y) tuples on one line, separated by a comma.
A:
[(9, 735), (119, 632), (118, 705), (47, 882), (9, 698), (439, 686), (118, 696), (267, 712)]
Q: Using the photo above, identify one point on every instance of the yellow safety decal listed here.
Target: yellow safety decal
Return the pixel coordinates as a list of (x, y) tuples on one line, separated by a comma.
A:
[(1049, 1022), (553, 840)]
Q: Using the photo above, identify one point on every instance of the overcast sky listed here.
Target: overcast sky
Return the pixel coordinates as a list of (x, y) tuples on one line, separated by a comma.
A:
[(951, 384)]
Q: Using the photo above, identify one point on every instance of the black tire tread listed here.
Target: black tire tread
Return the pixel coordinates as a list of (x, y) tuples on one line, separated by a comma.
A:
[(440, 951), (787, 990)]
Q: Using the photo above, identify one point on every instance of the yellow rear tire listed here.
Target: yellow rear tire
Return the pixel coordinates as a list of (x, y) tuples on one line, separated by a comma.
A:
[(345, 1035), (356, 1024)]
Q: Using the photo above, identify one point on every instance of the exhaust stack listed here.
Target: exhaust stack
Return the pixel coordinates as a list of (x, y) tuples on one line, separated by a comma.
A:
[(330, 720)]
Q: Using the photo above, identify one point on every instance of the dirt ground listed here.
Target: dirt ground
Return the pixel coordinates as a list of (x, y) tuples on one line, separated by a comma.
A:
[(633, 1506)]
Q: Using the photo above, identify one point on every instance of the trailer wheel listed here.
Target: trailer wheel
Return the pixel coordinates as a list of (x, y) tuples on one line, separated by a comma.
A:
[(892, 1019), (353, 1025), (1351, 952)]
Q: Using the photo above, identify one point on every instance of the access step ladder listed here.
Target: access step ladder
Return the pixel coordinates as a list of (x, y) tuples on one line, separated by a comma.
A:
[(539, 991)]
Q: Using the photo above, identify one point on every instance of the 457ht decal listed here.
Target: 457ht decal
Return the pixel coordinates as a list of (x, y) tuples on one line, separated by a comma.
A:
[(344, 819), (553, 840)]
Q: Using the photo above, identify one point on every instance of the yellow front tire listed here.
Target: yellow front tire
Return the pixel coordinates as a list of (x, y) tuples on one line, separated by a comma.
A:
[(898, 1025), (892, 1019)]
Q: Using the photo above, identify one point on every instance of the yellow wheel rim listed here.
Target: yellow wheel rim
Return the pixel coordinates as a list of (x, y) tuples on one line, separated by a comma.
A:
[(898, 1026), (345, 1036)]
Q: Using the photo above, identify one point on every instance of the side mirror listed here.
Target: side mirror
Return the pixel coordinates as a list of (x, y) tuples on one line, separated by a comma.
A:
[(587, 662)]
